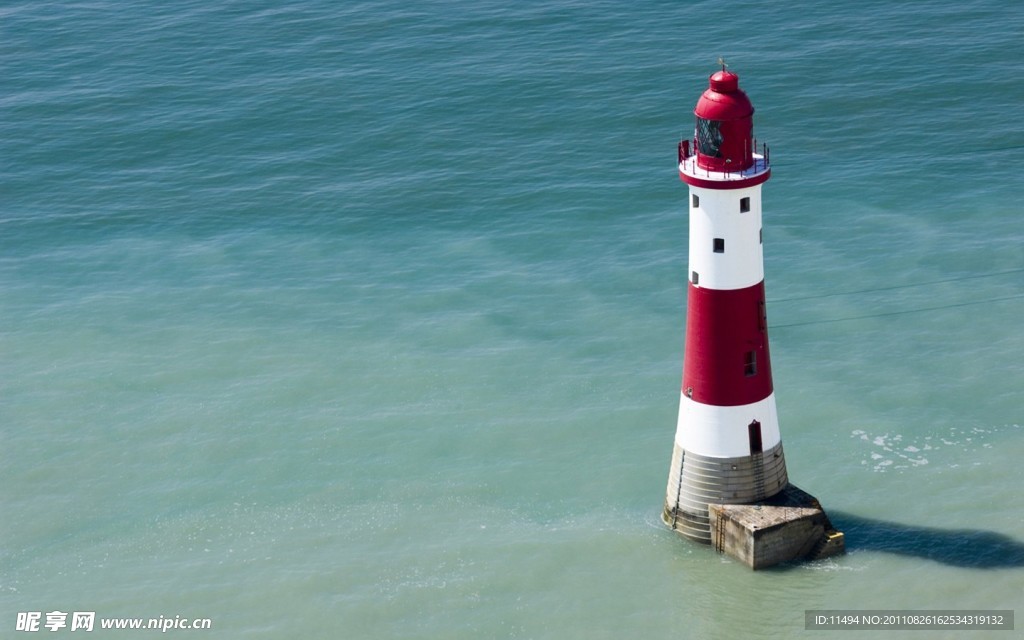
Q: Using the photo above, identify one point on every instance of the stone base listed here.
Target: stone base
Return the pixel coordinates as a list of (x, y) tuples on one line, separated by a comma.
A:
[(694, 481), (790, 525)]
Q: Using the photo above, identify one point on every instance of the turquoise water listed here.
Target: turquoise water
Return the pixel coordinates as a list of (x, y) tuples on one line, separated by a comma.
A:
[(366, 321)]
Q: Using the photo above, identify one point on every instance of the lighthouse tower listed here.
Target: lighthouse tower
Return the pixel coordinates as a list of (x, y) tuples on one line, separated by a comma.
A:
[(728, 448), (728, 484)]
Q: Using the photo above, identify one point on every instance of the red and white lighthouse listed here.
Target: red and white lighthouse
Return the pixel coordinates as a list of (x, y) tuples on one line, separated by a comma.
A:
[(728, 448)]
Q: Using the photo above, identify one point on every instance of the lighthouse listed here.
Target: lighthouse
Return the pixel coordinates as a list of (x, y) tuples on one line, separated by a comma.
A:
[(727, 482)]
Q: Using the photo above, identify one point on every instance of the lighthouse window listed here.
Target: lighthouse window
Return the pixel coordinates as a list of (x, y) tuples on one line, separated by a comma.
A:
[(719, 245), (709, 137), (750, 364), (744, 205), (695, 279), (695, 200)]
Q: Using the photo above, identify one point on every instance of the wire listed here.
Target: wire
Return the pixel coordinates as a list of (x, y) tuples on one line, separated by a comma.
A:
[(894, 313), (899, 286)]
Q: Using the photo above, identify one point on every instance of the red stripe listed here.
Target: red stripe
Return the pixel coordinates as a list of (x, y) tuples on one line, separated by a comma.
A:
[(723, 329)]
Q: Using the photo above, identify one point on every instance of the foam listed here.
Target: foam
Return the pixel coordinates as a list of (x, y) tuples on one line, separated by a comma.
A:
[(889, 452)]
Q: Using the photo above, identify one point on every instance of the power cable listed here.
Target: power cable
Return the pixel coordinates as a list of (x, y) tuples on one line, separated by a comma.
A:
[(895, 313), (899, 286)]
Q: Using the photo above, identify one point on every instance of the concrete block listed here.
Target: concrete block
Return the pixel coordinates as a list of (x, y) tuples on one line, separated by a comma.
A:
[(789, 526)]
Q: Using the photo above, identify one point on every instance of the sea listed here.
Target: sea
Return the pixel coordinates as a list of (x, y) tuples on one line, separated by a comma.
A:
[(366, 320)]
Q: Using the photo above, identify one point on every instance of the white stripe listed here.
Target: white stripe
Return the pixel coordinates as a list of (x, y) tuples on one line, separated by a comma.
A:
[(721, 432), (718, 216)]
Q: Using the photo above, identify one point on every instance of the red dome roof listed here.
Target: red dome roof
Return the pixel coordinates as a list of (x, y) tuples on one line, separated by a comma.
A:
[(724, 100)]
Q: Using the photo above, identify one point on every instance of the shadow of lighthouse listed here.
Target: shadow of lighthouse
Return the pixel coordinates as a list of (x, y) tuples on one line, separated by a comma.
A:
[(968, 548)]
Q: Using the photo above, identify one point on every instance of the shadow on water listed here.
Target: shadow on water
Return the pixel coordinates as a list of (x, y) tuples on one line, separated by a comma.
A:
[(970, 548)]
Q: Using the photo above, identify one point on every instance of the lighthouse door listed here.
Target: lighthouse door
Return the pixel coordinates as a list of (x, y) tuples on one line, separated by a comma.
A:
[(754, 434)]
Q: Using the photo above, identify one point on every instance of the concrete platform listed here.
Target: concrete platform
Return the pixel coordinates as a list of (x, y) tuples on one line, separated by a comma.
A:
[(789, 526)]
